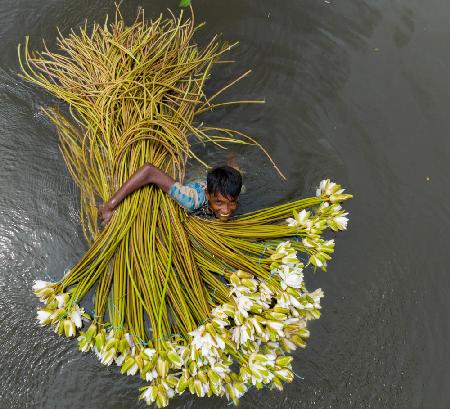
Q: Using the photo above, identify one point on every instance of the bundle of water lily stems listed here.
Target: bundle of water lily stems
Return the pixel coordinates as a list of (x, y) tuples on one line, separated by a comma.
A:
[(186, 303)]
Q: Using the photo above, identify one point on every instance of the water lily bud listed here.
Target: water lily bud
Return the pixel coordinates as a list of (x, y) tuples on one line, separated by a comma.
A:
[(52, 303), (100, 341), (182, 385), (122, 345), (174, 359), (235, 280), (150, 375), (278, 316), (162, 367), (149, 394), (45, 293), (276, 326), (91, 332), (62, 299), (146, 368), (83, 344), (228, 309), (285, 374), (172, 381), (39, 285), (57, 315), (215, 388), (198, 389), (276, 382), (140, 359), (243, 274), (282, 310), (108, 357), (75, 316), (287, 345), (336, 198), (229, 390), (256, 309), (127, 364), (239, 318), (44, 317), (69, 328), (298, 341), (251, 284), (161, 397), (284, 360), (202, 376), (111, 343), (150, 353), (303, 332), (210, 328), (59, 327), (240, 388), (191, 386), (214, 377)]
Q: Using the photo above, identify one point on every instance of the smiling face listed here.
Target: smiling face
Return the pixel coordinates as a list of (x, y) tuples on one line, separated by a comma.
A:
[(222, 206)]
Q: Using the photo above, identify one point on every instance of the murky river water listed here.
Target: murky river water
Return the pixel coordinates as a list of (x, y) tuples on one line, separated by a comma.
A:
[(355, 90)]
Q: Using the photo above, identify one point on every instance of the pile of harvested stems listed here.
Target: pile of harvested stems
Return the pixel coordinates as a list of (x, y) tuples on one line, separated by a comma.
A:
[(178, 299)]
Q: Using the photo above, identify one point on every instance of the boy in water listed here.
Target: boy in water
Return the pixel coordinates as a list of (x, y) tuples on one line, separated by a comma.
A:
[(219, 197)]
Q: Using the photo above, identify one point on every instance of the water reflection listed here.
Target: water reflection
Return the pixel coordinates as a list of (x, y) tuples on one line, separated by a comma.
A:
[(354, 90)]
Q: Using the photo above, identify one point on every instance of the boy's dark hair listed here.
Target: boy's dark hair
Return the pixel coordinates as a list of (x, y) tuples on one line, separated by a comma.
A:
[(224, 180)]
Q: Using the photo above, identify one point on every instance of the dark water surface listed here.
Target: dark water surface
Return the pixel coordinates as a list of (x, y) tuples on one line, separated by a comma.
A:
[(355, 90)]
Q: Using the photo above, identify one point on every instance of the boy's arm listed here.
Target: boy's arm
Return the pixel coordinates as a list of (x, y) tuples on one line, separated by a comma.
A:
[(143, 176)]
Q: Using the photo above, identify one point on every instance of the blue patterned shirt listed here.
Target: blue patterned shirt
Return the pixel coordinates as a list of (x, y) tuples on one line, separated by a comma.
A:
[(191, 196)]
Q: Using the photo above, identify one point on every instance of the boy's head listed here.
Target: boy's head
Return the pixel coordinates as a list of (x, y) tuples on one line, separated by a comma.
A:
[(223, 186)]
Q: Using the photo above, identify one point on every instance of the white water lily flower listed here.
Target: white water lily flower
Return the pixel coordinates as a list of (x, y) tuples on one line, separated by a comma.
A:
[(75, 316), (43, 317), (129, 339), (242, 334), (291, 222), (341, 222), (133, 370), (286, 300), (256, 325), (40, 285), (307, 242), (107, 358), (316, 296), (327, 188), (149, 352), (220, 369), (277, 326), (119, 360), (314, 260), (218, 312), (219, 323), (150, 394), (265, 291), (150, 375), (69, 328), (291, 277), (61, 300), (323, 208), (220, 342), (244, 304), (260, 367), (204, 343), (283, 247), (301, 220)]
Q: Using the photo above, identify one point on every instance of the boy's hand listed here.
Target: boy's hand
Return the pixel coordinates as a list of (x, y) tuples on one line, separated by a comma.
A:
[(105, 212)]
